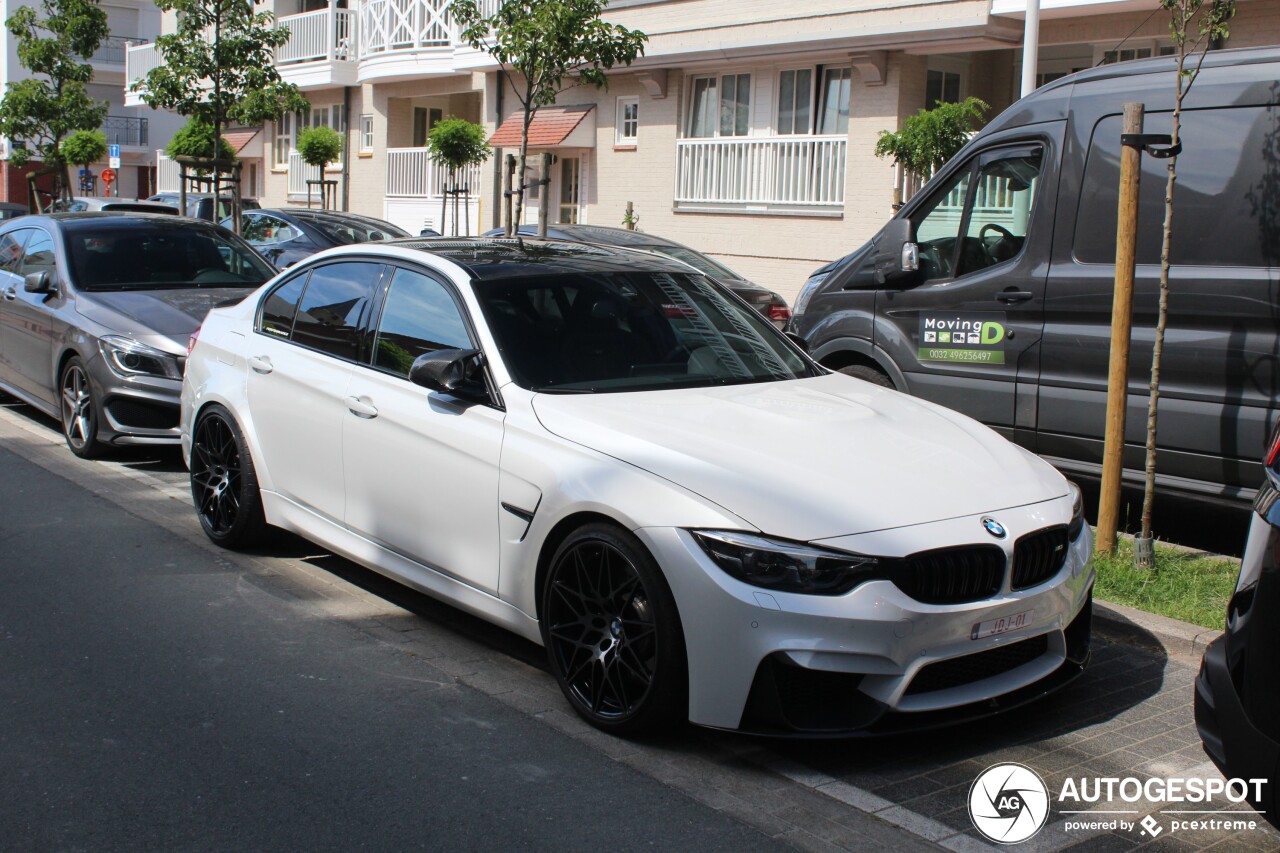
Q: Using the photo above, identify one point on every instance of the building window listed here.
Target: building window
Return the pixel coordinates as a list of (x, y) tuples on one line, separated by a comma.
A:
[(836, 85), (282, 141), (720, 106), (627, 125), (795, 96), (327, 116), (1142, 50), (941, 87), (424, 119), (366, 133)]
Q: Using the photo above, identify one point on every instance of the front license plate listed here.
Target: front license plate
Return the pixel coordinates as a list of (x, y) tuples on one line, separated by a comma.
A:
[(1002, 625)]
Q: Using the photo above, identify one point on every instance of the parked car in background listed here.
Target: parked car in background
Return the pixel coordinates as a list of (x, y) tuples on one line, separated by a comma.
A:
[(575, 442), (110, 204), (200, 205), (12, 210), (286, 236), (1238, 690), (96, 310), (766, 301), (991, 291)]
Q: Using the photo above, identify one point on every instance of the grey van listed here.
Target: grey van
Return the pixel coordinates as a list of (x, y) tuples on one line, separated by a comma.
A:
[(1006, 314)]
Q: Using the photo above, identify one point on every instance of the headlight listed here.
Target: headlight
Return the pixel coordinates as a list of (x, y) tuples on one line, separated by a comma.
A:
[(806, 293), (128, 358), (786, 566), (1077, 512)]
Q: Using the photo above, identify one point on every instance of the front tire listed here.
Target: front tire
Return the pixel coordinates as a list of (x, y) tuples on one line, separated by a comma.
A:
[(224, 485), (612, 632), (867, 373), (79, 411)]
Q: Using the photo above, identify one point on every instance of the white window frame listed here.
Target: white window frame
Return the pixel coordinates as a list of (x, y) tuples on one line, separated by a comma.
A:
[(1146, 47), (627, 130), (810, 106), (717, 118), (282, 140), (366, 132), (820, 99)]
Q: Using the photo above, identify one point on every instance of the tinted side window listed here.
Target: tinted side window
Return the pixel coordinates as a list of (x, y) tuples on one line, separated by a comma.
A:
[(1225, 210), (280, 306), (334, 305), (39, 254), (419, 316), (11, 249)]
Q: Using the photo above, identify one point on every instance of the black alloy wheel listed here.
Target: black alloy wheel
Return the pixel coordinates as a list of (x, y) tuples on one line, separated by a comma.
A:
[(79, 415), (613, 634), (224, 485)]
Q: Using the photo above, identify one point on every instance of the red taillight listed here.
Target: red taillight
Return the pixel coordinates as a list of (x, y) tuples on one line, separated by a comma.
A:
[(191, 341), (1273, 447), (779, 313)]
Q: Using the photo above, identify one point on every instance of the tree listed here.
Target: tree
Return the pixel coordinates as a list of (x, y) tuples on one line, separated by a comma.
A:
[(552, 45), (219, 67), (197, 139), (84, 147), (456, 144), (930, 138), (320, 146), (42, 110), (1194, 26)]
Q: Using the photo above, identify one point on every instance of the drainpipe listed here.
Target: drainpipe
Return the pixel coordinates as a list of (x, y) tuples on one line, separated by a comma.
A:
[(346, 149), (1030, 47), (498, 182)]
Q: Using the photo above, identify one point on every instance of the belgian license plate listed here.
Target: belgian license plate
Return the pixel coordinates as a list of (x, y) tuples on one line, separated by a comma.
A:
[(1002, 625)]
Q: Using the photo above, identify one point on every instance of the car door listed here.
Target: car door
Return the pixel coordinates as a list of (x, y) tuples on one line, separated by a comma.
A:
[(966, 328), (32, 325), (422, 467), (307, 337), (11, 246)]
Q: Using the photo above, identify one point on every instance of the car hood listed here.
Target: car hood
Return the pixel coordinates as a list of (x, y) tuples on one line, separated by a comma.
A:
[(809, 459), (174, 313)]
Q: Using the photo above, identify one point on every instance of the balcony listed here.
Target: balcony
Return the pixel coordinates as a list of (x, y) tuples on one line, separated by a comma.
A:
[(111, 53), (138, 60), (321, 50), (125, 130), (415, 188), (805, 173), (412, 174)]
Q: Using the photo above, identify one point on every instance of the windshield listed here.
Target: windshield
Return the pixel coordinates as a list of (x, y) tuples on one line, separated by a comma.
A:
[(145, 255), (697, 261), (632, 331), (344, 232)]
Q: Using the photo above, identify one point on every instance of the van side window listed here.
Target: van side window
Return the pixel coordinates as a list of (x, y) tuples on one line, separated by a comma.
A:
[(1225, 209), (981, 217)]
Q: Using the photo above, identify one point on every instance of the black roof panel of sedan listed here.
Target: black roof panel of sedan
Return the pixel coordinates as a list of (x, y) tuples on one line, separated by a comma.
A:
[(487, 258)]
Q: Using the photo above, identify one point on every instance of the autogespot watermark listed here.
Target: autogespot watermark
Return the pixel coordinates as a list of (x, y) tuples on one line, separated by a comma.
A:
[(1010, 803)]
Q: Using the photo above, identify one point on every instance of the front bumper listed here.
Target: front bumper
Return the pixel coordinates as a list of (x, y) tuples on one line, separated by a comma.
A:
[(874, 660), (136, 410)]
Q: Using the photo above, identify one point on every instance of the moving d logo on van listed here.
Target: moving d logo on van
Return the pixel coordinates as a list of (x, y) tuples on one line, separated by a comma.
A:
[(962, 337)]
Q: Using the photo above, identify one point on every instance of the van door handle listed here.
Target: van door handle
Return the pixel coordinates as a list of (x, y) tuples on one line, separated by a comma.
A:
[(362, 408), (260, 364), (1011, 296)]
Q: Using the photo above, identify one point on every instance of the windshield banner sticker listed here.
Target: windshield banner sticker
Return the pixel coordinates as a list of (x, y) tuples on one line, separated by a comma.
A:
[(967, 336)]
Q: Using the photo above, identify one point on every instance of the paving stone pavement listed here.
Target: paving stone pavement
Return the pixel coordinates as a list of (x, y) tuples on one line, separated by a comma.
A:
[(1130, 714)]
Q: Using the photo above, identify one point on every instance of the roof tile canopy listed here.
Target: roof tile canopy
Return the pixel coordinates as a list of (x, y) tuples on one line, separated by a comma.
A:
[(240, 138), (550, 127)]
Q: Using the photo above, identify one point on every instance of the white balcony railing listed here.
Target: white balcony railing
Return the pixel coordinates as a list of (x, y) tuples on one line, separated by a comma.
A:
[(393, 25), (411, 174), (325, 34), (300, 173), (138, 60), (780, 170)]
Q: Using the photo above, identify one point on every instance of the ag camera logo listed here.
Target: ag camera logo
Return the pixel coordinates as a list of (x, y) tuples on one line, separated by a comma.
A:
[(1008, 803)]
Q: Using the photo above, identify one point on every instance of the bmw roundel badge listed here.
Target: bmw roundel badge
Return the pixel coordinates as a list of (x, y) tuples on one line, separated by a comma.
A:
[(994, 527)]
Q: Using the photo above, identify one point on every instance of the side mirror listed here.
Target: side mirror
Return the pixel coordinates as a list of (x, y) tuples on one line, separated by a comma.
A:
[(38, 282), (451, 371), (798, 341), (896, 254)]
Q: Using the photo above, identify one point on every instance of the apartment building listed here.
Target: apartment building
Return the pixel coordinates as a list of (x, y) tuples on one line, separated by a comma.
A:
[(136, 128), (747, 130)]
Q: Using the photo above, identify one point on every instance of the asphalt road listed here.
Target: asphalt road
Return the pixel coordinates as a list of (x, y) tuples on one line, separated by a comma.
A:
[(154, 697)]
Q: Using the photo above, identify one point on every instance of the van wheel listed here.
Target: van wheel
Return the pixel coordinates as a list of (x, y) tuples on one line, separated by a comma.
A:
[(867, 373)]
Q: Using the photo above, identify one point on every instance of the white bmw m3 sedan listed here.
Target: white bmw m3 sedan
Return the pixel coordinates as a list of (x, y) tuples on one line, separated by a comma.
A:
[(616, 458)]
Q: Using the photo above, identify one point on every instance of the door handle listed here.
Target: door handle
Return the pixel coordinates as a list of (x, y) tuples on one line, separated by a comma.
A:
[(11, 294), (1011, 296), (361, 407), (260, 364)]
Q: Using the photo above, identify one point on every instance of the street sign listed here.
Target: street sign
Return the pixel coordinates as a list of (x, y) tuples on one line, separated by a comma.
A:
[(113, 162), (113, 151), (108, 176)]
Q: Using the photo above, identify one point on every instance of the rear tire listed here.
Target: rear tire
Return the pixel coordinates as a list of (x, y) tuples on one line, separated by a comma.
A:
[(867, 373), (613, 635), (224, 485)]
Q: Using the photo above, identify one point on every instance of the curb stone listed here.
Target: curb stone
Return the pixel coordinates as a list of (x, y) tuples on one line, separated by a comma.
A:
[(1175, 638)]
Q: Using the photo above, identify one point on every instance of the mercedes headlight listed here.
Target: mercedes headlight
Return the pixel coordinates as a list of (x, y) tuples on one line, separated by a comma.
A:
[(129, 358), (784, 566)]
